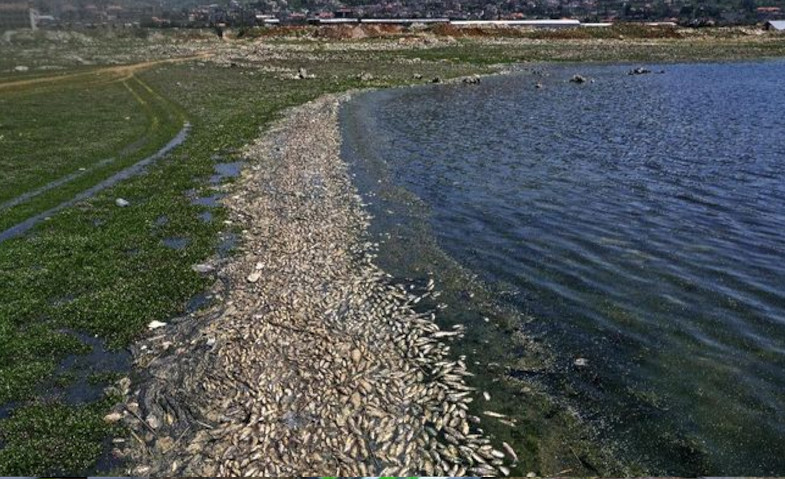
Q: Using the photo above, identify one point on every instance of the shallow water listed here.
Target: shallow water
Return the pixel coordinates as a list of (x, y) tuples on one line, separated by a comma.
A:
[(100, 359), (638, 219)]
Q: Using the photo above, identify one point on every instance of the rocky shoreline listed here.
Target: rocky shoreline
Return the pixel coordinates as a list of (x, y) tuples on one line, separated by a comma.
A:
[(314, 361)]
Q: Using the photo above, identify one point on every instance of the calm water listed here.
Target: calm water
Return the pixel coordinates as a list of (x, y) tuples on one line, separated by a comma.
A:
[(639, 219)]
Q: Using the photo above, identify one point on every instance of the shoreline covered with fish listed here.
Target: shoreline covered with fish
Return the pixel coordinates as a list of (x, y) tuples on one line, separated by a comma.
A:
[(314, 361)]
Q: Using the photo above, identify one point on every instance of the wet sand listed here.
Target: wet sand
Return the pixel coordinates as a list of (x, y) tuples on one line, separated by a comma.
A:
[(314, 362)]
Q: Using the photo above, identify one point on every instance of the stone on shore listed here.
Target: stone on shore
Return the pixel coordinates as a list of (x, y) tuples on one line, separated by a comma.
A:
[(578, 79)]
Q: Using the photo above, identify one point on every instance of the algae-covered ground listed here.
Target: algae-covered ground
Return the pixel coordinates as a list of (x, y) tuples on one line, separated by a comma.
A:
[(86, 282)]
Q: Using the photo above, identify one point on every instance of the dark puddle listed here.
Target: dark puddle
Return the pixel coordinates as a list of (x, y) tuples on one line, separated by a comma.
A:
[(161, 221), (226, 170), (176, 244), (88, 374), (197, 302), (62, 301), (7, 408), (210, 201), (129, 172), (206, 216), (227, 244)]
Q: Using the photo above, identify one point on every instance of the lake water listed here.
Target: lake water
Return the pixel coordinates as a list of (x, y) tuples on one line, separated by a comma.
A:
[(634, 225)]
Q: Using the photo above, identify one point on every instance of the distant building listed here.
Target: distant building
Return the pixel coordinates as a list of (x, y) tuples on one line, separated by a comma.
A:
[(563, 23), (16, 15), (405, 21), (768, 10), (776, 25)]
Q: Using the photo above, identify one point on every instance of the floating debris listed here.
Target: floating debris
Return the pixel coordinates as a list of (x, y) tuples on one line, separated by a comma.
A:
[(203, 268), (113, 417)]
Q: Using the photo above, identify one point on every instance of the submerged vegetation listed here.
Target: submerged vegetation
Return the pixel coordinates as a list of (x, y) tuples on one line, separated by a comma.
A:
[(108, 271)]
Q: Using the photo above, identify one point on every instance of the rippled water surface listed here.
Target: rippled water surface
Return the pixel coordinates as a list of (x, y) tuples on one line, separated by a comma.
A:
[(639, 219)]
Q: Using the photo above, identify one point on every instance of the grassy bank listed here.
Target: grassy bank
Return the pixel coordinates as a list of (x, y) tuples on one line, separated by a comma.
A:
[(107, 271), (60, 140)]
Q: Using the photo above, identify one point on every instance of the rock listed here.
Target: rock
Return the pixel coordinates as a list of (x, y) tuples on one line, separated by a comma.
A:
[(112, 418), (472, 80), (302, 74), (356, 356), (436, 80), (577, 79), (538, 85), (639, 71), (581, 362), (417, 76), (531, 474), (365, 76), (486, 396), (21, 68), (356, 399), (133, 407), (254, 277), (202, 268), (122, 203), (155, 324)]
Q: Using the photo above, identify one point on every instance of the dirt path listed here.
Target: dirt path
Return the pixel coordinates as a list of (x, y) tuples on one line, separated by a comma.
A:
[(108, 74)]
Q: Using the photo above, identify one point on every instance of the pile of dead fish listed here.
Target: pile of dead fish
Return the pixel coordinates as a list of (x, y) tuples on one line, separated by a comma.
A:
[(317, 364)]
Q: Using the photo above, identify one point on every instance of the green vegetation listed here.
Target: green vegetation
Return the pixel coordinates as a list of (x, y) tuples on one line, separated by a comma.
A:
[(105, 270), (53, 437), (75, 135), (51, 133)]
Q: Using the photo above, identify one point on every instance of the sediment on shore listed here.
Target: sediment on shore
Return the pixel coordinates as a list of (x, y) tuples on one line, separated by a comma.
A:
[(314, 362)]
